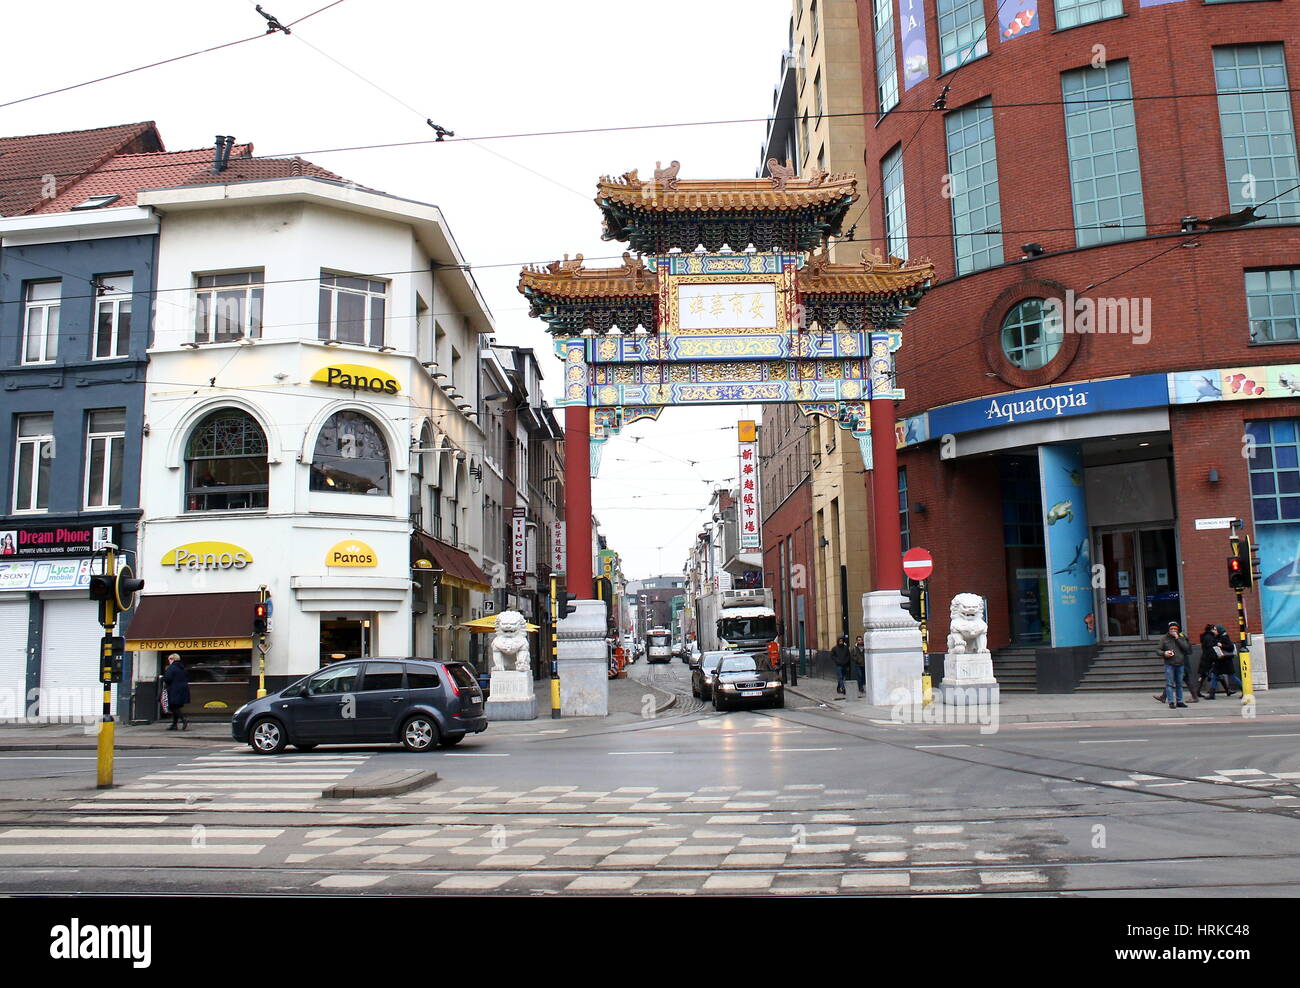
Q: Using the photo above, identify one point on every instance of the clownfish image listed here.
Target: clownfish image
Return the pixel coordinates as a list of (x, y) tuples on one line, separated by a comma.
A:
[(1018, 23)]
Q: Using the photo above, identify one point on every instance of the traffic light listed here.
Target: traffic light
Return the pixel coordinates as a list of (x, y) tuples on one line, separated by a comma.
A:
[(126, 587), (564, 602), (259, 618), (1238, 573), (912, 600), (101, 588)]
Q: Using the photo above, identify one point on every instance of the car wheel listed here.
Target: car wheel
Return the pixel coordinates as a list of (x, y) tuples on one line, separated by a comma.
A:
[(267, 737), (452, 740), (419, 733), (780, 702), (304, 747), (718, 705)]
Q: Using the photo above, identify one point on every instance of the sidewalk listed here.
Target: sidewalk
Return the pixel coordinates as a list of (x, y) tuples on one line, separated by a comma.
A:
[(1064, 707)]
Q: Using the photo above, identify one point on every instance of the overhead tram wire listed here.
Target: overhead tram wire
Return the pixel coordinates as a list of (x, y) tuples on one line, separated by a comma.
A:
[(154, 65)]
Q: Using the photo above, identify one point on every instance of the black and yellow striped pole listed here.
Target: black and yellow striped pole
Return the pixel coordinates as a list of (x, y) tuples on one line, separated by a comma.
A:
[(555, 650), (1243, 648), (107, 618)]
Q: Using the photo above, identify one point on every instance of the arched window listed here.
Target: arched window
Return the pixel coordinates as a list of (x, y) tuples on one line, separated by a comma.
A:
[(225, 463), (351, 456), (1031, 337)]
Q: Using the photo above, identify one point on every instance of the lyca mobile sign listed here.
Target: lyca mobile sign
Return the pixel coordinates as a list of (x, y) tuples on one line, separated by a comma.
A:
[(208, 555), (355, 377)]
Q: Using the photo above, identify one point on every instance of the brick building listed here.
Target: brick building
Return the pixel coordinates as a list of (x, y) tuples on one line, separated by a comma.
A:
[(1096, 367)]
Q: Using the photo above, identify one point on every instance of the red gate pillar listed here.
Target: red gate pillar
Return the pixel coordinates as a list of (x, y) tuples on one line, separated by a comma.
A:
[(577, 499), (887, 534)]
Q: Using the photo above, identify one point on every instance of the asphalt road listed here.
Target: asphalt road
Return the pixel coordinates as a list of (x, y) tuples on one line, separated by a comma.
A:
[(800, 800)]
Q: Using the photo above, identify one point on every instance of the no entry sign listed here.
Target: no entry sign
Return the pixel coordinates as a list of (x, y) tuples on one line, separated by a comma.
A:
[(917, 563)]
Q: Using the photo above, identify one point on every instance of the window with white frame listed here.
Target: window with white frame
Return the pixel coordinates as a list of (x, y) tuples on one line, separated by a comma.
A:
[(973, 169), (227, 307), (1071, 13), (891, 173), (105, 443), (32, 457), (1273, 301), (963, 34), (113, 316), (886, 61), (352, 309), (41, 322)]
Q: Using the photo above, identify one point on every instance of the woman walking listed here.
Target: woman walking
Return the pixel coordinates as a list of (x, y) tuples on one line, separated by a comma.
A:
[(1209, 656), (1226, 666), (177, 683)]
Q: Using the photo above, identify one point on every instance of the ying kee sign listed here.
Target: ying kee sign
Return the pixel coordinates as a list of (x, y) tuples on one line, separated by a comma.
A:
[(750, 511)]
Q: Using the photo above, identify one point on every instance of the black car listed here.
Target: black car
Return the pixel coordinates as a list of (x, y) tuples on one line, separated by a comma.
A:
[(702, 672), (742, 681), (420, 703)]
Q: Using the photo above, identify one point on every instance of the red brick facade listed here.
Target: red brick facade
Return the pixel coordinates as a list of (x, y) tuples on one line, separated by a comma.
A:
[(952, 343), (790, 526)]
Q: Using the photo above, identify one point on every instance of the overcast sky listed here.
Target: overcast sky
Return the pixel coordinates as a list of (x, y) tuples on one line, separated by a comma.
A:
[(479, 69)]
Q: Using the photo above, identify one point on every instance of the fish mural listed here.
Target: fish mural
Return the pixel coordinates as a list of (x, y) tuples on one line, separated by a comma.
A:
[(1290, 382), (1090, 622), (1241, 384), (1019, 23), (916, 64), (1080, 557)]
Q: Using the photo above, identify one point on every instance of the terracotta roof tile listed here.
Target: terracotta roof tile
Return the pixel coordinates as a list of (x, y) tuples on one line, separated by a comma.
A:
[(26, 160)]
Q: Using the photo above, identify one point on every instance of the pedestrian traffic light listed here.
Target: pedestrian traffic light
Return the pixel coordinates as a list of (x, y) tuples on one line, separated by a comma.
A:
[(259, 618), (1238, 573), (912, 600)]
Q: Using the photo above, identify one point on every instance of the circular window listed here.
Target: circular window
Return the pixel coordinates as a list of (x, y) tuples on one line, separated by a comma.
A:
[(1031, 334)]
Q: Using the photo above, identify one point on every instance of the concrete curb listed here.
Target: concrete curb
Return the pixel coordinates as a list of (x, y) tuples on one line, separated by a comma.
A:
[(394, 783), (92, 746)]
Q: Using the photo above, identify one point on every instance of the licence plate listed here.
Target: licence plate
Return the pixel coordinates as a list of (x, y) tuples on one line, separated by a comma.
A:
[(752, 693)]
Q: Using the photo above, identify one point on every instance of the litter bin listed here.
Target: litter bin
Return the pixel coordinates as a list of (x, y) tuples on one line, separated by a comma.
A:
[(485, 683)]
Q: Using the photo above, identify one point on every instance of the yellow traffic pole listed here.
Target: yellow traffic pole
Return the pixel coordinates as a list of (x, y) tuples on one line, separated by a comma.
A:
[(927, 682), (104, 743), (555, 652)]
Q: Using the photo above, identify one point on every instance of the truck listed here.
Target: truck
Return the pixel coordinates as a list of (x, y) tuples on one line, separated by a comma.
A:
[(743, 619)]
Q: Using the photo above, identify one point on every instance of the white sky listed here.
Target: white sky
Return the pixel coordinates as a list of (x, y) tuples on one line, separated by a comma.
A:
[(485, 68)]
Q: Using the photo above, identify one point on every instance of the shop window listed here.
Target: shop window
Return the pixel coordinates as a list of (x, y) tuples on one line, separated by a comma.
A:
[(1259, 150), (1072, 13), (351, 456), (228, 307), (1273, 301), (41, 322), (1030, 339), (973, 186), (963, 34), (225, 463), (352, 309), (105, 442), (1101, 137), (32, 457)]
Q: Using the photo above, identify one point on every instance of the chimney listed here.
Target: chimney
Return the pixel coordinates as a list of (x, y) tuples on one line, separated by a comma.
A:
[(221, 153)]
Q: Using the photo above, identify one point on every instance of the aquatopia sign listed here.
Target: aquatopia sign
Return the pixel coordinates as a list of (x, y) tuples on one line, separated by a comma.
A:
[(355, 377), (208, 555)]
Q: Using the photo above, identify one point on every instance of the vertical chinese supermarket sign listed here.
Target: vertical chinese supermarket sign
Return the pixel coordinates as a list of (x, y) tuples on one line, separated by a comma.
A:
[(751, 516)]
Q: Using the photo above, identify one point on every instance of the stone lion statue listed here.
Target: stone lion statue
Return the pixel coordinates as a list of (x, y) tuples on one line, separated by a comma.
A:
[(511, 639), (967, 630)]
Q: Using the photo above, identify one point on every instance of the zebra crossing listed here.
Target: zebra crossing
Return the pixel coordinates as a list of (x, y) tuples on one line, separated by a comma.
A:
[(232, 780), (1282, 787)]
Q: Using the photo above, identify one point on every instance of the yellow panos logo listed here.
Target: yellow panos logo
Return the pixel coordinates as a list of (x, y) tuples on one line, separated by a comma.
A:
[(208, 555), (354, 377), (350, 553)]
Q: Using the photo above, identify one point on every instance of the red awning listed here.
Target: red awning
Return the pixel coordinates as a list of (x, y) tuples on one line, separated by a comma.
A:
[(458, 569), (164, 622)]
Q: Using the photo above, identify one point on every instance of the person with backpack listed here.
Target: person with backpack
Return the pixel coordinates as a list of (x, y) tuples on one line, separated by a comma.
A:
[(1175, 650)]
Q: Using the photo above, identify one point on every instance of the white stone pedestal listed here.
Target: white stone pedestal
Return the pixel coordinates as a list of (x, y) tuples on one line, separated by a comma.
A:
[(584, 661), (892, 642), (968, 679), (511, 696)]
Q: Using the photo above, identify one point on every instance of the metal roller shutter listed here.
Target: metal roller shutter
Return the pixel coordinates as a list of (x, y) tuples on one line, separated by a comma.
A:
[(13, 657), (70, 660)]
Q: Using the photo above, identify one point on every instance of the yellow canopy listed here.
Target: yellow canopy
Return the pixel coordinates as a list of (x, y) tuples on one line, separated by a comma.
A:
[(484, 625)]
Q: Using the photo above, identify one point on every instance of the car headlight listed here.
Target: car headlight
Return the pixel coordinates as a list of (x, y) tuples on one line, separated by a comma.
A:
[(728, 686)]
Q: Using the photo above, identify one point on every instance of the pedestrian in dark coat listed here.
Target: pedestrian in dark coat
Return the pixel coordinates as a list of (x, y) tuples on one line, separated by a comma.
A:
[(858, 654), (1209, 641), (177, 683), (1226, 666), (843, 659), (1175, 650)]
